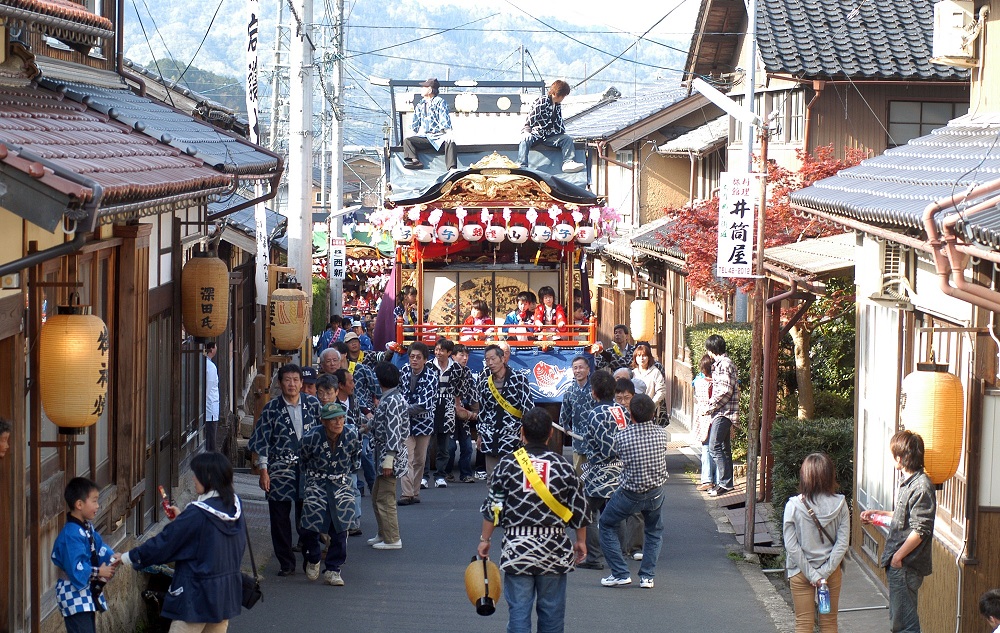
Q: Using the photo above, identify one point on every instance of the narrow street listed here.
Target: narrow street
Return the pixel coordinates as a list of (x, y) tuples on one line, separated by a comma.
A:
[(421, 588)]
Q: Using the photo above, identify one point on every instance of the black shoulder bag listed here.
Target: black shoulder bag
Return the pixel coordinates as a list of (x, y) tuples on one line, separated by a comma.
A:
[(251, 584)]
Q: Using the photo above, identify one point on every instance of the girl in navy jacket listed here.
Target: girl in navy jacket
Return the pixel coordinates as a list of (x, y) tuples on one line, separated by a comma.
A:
[(206, 543)]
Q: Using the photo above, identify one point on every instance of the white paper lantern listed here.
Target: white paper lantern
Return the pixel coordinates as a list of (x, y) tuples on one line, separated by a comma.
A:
[(472, 232), (402, 234), (518, 234), (424, 233), (563, 233), (586, 234), (448, 234), (541, 234), (495, 234)]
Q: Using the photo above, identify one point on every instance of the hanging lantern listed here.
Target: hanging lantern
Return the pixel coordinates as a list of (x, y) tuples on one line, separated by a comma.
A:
[(517, 234), (73, 351), (289, 317), (205, 296), (931, 406), (643, 321), (424, 233), (586, 234), (448, 234), (541, 234), (472, 232), (483, 585), (402, 234), (563, 233), (495, 234)]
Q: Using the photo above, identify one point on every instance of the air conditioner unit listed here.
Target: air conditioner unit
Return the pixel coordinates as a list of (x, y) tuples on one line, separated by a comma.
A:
[(955, 33)]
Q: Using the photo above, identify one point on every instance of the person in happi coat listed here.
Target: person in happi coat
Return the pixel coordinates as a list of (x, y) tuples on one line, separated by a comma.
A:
[(389, 429), (505, 396), (577, 403), (418, 382), (331, 453), (276, 440)]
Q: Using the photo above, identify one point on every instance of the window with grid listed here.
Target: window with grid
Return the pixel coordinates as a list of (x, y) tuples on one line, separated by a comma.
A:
[(912, 119)]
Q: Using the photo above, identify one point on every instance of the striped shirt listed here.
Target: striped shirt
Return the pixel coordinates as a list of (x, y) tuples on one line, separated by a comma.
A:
[(725, 400)]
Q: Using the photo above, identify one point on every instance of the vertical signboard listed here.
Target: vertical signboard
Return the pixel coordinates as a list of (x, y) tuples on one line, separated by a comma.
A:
[(338, 257), (738, 201), (260, 212)]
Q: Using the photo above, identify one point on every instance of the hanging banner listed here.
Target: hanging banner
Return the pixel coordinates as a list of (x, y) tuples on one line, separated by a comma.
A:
[(738, 201), (338, 258), (259, 212)]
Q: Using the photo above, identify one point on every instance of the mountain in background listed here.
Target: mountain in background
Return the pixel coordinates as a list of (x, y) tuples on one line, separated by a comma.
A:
[(398, 40)]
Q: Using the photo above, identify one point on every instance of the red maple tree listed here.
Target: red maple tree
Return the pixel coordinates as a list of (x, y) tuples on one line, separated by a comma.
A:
[(695, 233)]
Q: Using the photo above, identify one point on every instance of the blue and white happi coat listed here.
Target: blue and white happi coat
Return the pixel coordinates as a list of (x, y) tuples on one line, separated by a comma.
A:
[(329, 488), (389, 428), (450, 384), (73, 554), (603, 469), (576, 405), (275, 443), (420, 399), (501, 431)]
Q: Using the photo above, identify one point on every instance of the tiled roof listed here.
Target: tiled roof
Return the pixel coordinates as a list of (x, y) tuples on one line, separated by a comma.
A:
[(59, 10), (817, 256), (833, 38), (218, 149), (130, 167), (893, 189), (699, 140), (605, 119), (650, 238)]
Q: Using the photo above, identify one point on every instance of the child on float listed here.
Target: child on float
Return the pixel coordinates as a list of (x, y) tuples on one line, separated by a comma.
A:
[(475, 326), (549, 313)]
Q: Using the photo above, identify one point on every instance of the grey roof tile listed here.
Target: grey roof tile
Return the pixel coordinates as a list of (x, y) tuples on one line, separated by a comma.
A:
[(605, 119), (893, 189), (832, 38)]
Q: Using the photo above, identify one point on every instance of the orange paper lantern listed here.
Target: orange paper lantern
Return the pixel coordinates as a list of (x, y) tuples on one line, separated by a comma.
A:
[(205, 296), (932, 404), (643, 320), (288, 312), (73, 368)]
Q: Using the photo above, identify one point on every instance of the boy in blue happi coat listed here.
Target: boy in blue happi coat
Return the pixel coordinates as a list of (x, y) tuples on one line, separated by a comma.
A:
[(84, 561)]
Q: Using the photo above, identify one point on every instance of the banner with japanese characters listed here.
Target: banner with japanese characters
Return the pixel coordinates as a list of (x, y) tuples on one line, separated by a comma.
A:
[(738, 200), (338, 258), (259, 212)]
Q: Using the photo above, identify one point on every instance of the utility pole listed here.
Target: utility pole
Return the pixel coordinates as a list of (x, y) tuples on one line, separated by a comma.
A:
[(300, 141), (336, 200), (522, 63)]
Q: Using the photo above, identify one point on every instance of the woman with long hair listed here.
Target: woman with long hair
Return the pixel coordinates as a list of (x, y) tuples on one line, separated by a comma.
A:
[(205, 542), (644, 368), (817, 531)]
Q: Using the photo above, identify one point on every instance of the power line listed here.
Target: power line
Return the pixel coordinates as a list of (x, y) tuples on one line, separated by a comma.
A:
[(202, 43), (435, 34)]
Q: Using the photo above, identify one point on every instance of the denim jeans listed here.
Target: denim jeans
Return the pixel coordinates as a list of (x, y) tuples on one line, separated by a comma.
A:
[(562, 141), (622, 504), (709, 473), (547, 593), (85, 622), (461, 442), (903, 585), (721, 447)]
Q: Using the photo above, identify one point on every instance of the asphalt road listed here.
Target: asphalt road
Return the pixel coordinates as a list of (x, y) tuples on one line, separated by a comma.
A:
[(421, 587)]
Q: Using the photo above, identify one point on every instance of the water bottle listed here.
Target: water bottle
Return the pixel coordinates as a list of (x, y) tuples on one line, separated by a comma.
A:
[(823, 597)]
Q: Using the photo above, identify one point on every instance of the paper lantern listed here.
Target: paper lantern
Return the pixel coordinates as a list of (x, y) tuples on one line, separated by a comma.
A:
[(472, 232), (424, 233), (402, 234), (541, 234), (73, 369), (643, 320), (448, 234), (518, 234), (205, 296), (931, 406), (483, 585), (288, 313), (586, 234), (563, 233), (495, 234)]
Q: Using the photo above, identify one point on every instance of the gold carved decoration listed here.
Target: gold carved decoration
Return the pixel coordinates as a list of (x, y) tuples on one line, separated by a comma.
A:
[(496, 161), (476, 189)]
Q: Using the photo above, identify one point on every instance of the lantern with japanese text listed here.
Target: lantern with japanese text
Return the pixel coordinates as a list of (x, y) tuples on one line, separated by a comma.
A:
[(205, 296), (288, 314), (931, 406), (447, 233), (518, 234), (563, 233), (586, 234), (402, 234), (495, 234), (73, 369), (643, 320), (541, 234), (424, 233), (472, 232)]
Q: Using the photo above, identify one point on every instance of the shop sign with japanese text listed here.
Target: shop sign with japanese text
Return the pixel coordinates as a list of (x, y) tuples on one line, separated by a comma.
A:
[(738, 201), (338, 258)]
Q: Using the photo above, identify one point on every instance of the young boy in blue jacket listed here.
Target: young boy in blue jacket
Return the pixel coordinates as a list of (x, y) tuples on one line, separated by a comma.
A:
[(83, 560)]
